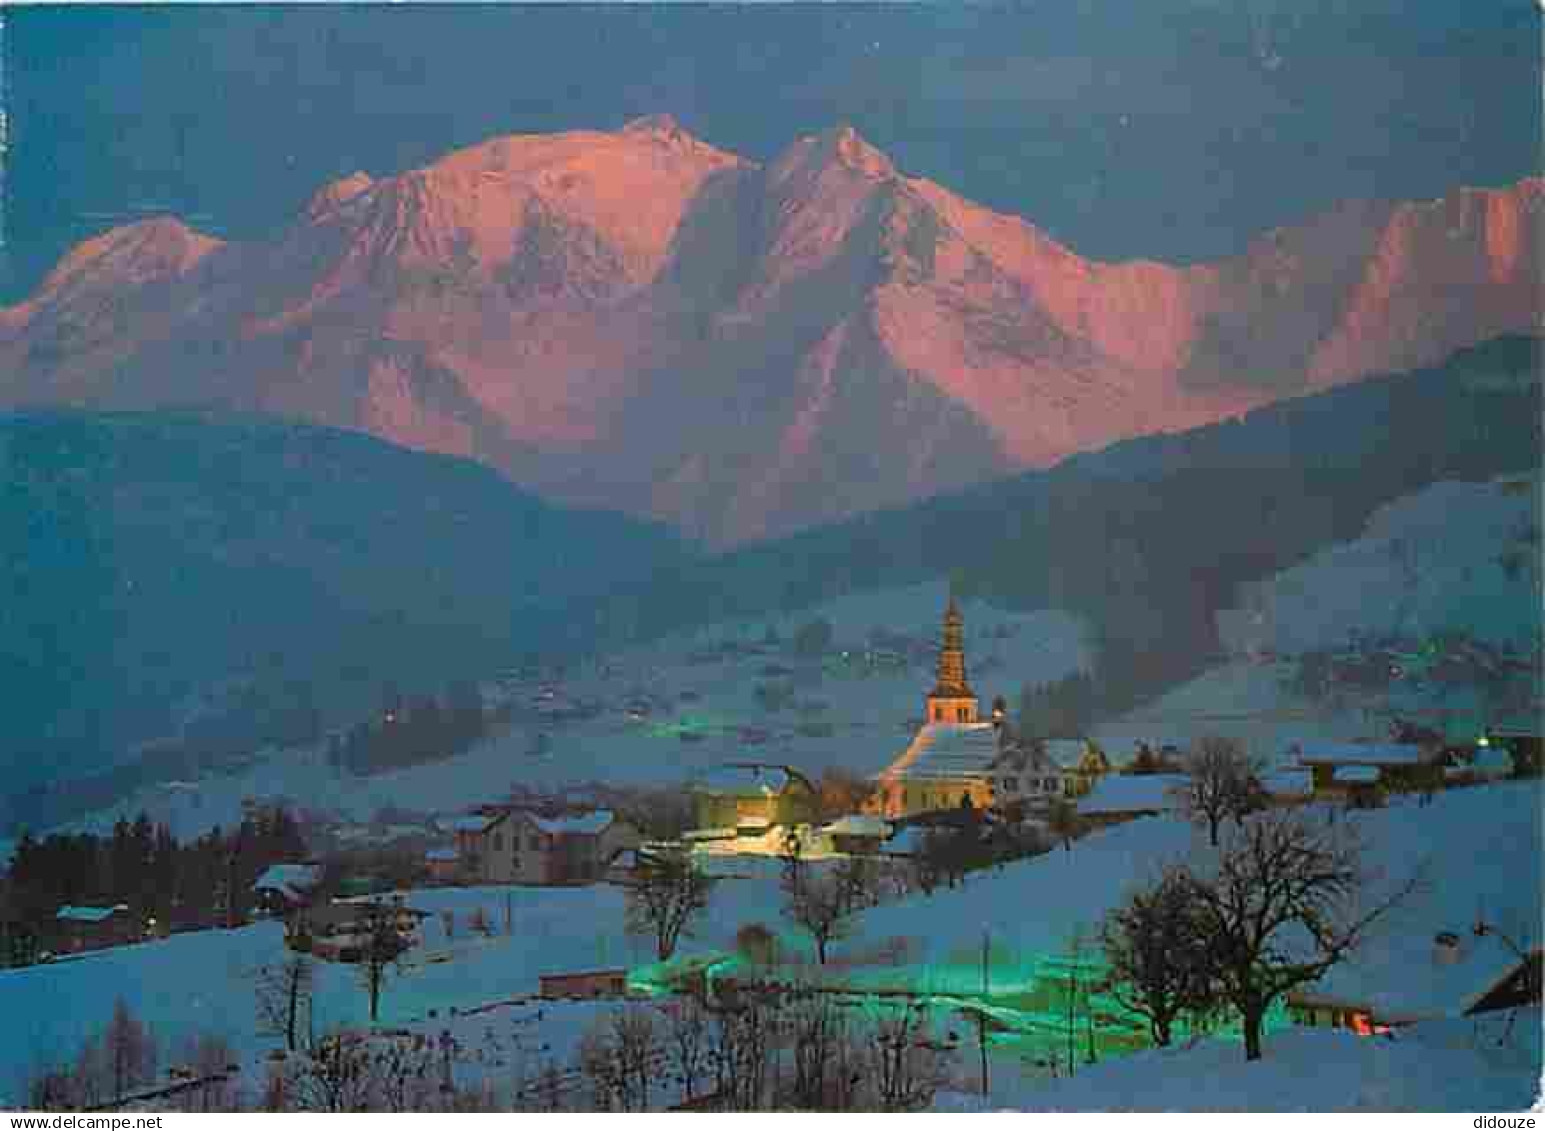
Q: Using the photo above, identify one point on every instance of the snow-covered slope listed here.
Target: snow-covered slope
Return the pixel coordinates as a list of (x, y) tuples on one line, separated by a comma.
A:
[(1483, 1064), (1475, 848), (1454, 556)]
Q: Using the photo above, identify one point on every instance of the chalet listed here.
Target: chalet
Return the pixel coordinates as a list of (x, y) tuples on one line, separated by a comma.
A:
[(1028, 780), (92, 928), (467, 843), (1465, 974), (1354, 770), (339, 931), (1081, 762), (734, 793), (284, 887), (522, 847)]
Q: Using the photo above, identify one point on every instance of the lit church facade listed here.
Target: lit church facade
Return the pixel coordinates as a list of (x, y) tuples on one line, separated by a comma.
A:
[(957, 759)]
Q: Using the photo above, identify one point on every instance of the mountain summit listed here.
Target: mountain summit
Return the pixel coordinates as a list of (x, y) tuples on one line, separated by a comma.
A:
[(639, 320)]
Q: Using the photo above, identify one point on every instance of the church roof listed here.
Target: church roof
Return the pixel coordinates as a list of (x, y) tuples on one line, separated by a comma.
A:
[(943, 751)]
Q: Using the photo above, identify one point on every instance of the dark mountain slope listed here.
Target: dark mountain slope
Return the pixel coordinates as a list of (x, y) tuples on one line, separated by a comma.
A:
[(169, 574)]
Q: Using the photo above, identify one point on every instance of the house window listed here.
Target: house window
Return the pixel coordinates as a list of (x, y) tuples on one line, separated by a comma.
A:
[(1011, 784), (938, 714), (498, 842), (534, 842)]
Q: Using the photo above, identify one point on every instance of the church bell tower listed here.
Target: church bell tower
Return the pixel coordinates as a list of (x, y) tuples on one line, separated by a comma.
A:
[(952, 700)]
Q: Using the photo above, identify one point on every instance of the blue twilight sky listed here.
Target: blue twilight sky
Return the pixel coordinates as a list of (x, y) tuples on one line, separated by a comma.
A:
[(1174, 129)]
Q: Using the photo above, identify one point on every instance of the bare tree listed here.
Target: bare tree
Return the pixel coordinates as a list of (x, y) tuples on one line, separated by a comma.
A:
[(822, 900), (1157, 954), (284, 998), (1223, 783), (909, 1066), (1063, 821), (381, 945), (404, 1071), (666, 894), (633, 1037), (92, 1074), (130, 1051), (1286, 901), (617, 1055), (211, 1060), (742, 1039), (50, 1086), (686, 1038), (599, 1064), (338, 1073), (828, 1072)]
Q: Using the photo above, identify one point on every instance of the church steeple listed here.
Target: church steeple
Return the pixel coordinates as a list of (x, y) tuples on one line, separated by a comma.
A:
[(950, 681), (952, 700)]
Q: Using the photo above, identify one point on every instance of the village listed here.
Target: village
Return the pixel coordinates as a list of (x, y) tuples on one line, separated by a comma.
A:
[(788, 876)]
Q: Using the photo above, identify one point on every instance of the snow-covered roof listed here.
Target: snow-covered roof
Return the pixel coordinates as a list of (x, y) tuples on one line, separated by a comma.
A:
[(1356, 775), (858, 824), (74, 914), (289, 878), (589, 825), (1477, 853), (1424, 987), (753, 821), (1365, 754), (751, 780), (470, 823), (1288, 783), (1134, 793), (907, 841), (1065, 752), (1492, 760), (945, 751)]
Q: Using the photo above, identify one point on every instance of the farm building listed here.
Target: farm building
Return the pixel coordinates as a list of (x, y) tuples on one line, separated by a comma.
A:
[(522, 847), (1343, 770), (588, 984), (736, 793), (92, 928), (283, 887)]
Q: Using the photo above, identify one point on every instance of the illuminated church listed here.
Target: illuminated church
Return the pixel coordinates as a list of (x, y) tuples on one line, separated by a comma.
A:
[(956, 759)]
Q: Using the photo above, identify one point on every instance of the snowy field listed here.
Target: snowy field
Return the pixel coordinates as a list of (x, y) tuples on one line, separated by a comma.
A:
[(1477, 848), (1484, 1064)]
